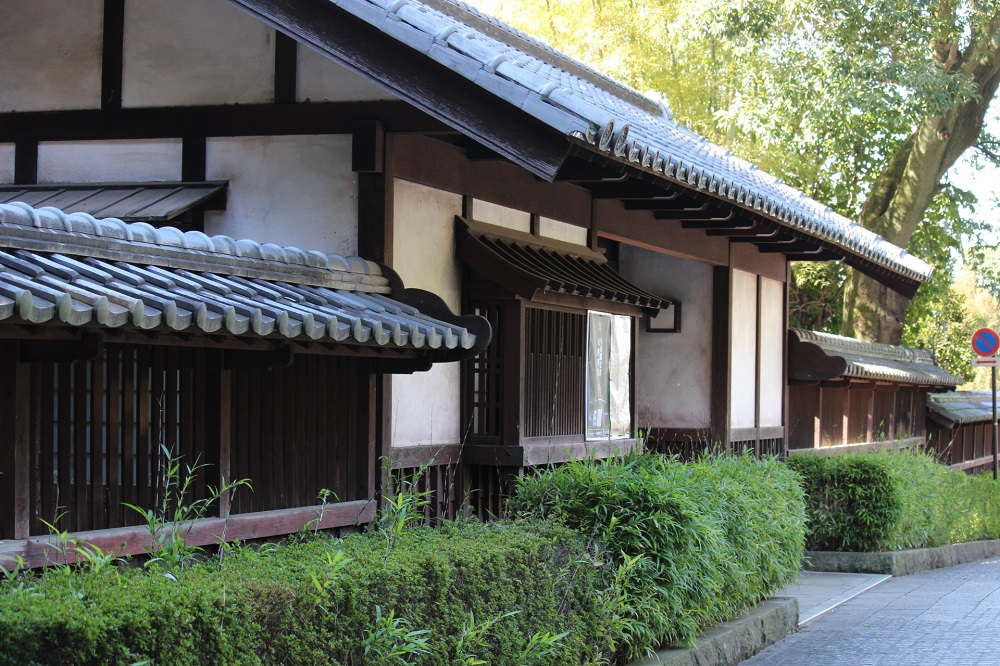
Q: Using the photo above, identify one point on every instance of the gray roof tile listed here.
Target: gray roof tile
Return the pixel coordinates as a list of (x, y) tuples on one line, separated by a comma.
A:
[(872, 360), (74, 269), (523, 70), (961, 407)]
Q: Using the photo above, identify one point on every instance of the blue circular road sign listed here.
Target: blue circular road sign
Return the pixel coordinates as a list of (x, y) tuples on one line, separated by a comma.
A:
[(985, 342)]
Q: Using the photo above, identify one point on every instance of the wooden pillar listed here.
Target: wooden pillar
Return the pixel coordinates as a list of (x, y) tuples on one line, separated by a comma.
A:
[(15, 455), (721, 355), (225, 435), (512, 341)]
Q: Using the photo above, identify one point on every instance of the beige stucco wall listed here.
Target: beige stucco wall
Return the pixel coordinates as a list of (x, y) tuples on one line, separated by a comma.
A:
[(772, 344), (743, 362), (109, 161), (501, 216), (6, 163), (189, 52), (426, 407), (673, 382), (50, 54), (322, 80), (569, 233), (289, 190)]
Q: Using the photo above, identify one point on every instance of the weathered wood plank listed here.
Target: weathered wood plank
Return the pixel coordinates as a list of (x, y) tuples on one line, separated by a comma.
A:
[(40, 551)]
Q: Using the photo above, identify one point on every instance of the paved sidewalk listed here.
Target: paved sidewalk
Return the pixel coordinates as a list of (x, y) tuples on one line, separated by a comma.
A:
[(819, 592), (946, 617)]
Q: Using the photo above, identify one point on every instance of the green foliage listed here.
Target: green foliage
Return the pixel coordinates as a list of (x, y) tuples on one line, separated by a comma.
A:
[(694, 543), (171, 521), (264, 607), (890, 500)]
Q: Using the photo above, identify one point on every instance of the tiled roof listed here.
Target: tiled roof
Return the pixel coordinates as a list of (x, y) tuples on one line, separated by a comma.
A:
[(605, 116), (872, 360), (960, 407), (75, 269), (527, 265), (147, 202)]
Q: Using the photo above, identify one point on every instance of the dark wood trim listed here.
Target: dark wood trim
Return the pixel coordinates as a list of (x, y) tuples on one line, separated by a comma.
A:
[(427, 85), (373, 216), (112, 54), (41, 551), (743, 435), (25, 161), (756, 366), (368, 147), (968, 464), (225, 120), (225, 436), (286, 69), (15, 395), (404, 457), (771, 432), (721, 352), (512, 339), (194, 152)]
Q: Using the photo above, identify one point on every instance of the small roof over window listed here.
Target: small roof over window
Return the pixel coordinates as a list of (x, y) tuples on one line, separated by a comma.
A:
[(529, 267)]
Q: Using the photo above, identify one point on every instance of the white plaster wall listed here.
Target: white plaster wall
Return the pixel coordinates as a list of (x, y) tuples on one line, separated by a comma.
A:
[(501, 216), (673, 382), (426, 408), (187, 52), (109, 161), (569, 233), (772, 337), (6, 163), (743, 364), (50, 54), (322, 80), (289, 190)]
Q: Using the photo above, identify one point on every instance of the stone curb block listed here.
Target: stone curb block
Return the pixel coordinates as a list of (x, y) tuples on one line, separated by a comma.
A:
[(901, 562), (733, 642)]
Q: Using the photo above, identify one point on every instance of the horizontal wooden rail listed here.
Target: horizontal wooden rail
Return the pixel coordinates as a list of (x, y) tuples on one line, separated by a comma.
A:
[(985, 460), (839, 449), (45, 550)]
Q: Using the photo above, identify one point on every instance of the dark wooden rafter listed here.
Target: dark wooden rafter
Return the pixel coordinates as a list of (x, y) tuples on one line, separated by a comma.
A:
[(704, 213), (435, 89), (286, 66), (112, 54), (223, 120)]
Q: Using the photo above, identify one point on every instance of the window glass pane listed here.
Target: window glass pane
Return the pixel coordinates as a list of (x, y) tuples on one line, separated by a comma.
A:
[(598, 375), (621, 354)]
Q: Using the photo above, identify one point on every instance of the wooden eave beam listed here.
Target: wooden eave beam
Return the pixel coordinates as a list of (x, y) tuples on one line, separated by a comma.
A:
[(431, 87), (794, 246)]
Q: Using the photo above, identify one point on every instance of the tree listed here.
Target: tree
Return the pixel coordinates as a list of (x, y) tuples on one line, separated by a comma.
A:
[(862, 105)]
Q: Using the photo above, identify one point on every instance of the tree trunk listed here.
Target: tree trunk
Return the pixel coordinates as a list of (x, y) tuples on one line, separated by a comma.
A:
[(903, 192)]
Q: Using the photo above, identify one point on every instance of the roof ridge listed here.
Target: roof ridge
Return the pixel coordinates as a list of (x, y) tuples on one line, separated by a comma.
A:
[(153, 239)]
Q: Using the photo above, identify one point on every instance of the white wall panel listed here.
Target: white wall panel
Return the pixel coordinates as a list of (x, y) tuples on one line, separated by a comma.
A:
[(501, 216), (569, 233), (187, 52), (6, 163), (772, 343), (743, 364), (322, 80), (109, 161), (289, 190), (426, 407), (673, 382), (50, 54)]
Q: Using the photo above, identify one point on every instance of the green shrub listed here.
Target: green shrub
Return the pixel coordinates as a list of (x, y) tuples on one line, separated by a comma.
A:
[(890, 500), (329, 601), (697, 543)]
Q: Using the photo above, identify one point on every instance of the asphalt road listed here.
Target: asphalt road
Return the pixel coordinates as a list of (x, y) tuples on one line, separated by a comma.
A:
[(947, 617)]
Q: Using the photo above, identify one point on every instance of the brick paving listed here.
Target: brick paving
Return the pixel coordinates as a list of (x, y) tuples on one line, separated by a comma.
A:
[(948, 617)]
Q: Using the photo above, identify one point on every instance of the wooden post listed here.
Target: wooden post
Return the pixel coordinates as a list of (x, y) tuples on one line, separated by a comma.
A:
[(15, 455), (721, 354), (225, 435)]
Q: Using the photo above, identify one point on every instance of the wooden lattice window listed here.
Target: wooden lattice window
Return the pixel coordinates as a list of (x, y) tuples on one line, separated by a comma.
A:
[(484, 378), (554, 402)]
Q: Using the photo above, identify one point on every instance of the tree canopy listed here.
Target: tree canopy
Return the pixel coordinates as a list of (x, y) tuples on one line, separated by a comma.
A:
[(863, 104)]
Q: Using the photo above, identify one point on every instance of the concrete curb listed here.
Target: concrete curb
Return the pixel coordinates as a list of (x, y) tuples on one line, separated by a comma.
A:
[(901, 562), (733, 642)]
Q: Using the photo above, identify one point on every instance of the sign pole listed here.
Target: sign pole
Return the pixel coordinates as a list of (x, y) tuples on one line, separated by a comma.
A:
[(994, 385)]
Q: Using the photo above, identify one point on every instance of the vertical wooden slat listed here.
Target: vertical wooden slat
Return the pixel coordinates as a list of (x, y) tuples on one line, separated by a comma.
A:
[(46, 397), (97, 420), (81, 479), (15, 452), (113, 435), (129, 440), (225, 432), (64, 379), (323, 476)]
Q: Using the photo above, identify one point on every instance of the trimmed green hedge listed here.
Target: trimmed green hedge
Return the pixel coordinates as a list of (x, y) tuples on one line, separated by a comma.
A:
[(265, 607), (696, 543), (892, 500)]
